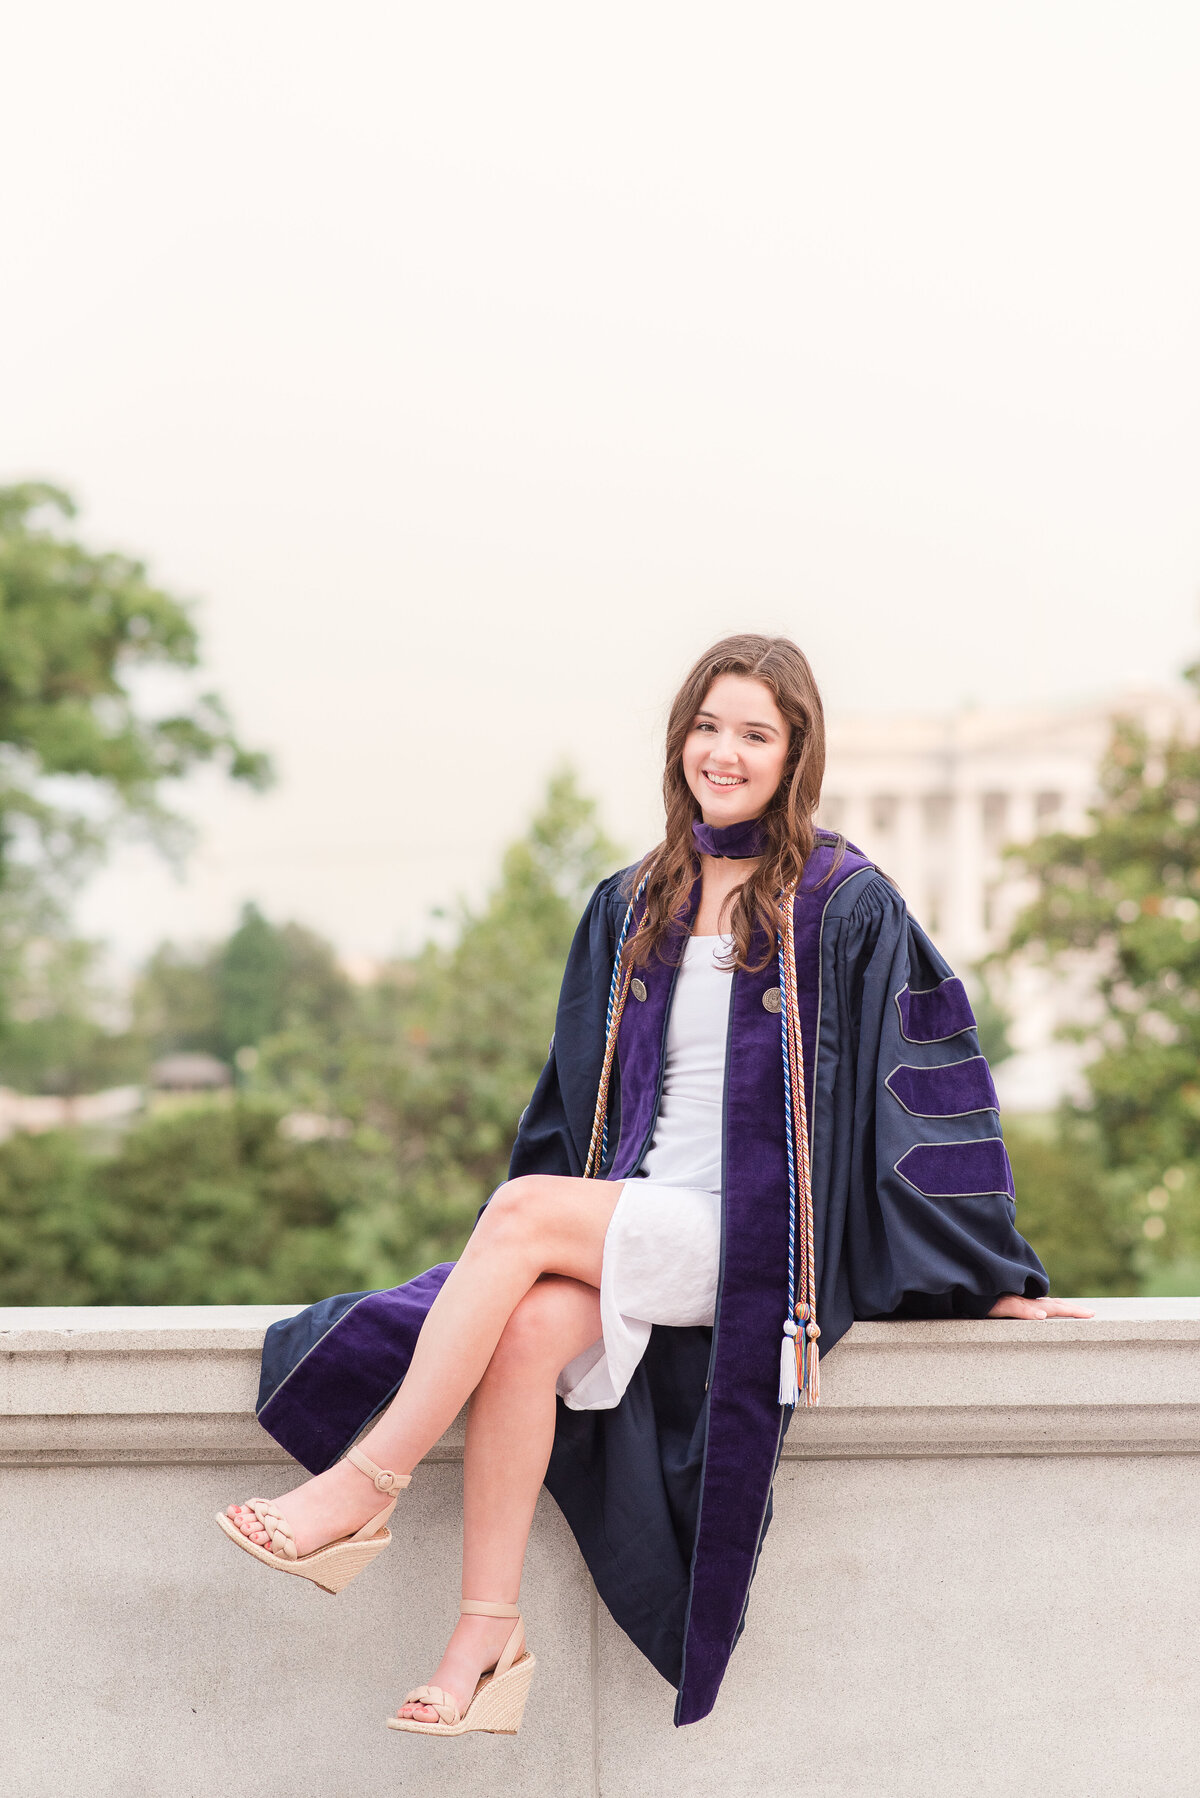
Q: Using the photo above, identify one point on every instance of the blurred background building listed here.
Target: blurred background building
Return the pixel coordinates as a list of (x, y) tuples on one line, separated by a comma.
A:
[(938, 800)]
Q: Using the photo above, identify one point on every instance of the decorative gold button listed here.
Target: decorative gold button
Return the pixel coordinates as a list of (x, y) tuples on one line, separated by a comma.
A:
[(637, 988), (773, 999)]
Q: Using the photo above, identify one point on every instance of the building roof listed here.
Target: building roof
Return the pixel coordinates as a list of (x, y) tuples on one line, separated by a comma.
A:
[(189, 1073)]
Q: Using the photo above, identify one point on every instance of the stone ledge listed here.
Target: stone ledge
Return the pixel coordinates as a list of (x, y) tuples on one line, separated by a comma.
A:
[(163, 1385), (962, 1531)]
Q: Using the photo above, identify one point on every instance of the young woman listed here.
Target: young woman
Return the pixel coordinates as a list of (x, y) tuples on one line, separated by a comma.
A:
[(764, 1114)]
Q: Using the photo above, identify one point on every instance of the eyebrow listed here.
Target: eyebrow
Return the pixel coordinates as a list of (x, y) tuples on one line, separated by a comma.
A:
[(747, 723)]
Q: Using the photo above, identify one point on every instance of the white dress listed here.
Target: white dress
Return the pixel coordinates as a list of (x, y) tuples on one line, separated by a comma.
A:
[(662, 1251)]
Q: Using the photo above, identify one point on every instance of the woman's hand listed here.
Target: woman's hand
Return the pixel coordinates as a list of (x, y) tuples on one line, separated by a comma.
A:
[(1012, 1305)]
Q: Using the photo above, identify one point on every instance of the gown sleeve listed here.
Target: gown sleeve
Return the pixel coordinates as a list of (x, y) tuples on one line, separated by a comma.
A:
[(932, 1212), (556, 1125)]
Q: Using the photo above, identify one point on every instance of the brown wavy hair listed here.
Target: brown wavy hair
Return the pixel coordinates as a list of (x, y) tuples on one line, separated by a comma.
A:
[(671, 867)]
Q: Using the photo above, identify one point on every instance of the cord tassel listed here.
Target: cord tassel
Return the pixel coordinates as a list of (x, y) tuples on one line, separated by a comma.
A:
[(812, 1389), (812, 1375), (789, 1371), (801, 1232)]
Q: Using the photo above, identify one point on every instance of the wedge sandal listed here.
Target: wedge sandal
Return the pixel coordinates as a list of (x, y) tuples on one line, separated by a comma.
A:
[(333, 1566), (498, 1701)]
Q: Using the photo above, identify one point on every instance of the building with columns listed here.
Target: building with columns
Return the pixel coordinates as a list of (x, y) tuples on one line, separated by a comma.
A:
[(936, 799)]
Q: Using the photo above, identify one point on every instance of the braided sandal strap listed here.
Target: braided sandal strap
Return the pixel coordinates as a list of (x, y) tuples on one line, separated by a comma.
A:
[(283, 1543), (438, 1700)]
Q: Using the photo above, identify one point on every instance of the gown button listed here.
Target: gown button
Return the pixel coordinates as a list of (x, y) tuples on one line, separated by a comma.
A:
[(637, 988), (773, 999)]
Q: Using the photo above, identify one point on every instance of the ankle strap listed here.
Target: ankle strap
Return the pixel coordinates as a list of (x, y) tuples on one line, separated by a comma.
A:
[(382, 1478), (480, 1607)]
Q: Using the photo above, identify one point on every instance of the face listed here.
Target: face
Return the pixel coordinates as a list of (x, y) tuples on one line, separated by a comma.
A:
[(734, 754)]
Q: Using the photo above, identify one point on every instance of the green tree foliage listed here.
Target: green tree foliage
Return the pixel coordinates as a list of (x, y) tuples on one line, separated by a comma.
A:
[(264, 980), (1067, 1209), (1125, 897), (425, 1074), (177, 1002), (77, 628), (210, 1205), (58, 1037), (82, 753), (453, 1041)]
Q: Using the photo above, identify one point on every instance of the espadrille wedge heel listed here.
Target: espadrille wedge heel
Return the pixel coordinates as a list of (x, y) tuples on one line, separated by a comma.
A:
[(334, 1565), (498, 1702)]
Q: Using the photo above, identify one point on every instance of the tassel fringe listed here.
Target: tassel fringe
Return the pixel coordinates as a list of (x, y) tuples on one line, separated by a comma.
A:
[(812, 1375), (789, 1368)]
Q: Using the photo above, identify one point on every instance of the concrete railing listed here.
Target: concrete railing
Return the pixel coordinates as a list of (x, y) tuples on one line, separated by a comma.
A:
[(983, 1578)]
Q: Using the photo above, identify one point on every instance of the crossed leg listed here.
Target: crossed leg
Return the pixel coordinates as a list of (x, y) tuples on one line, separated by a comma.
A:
[(510, 1430), (537, 1226)]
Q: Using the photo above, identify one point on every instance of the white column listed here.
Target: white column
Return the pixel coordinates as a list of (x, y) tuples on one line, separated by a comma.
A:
[(910, 857), (856, 821), (964, 936), (1022, 818)]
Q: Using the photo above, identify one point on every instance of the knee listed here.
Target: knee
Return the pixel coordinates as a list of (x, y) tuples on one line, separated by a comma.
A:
[(516, 1211), (534, 1330)]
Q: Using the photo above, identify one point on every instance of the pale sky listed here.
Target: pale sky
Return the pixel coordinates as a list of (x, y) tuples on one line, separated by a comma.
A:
[(474, 365)]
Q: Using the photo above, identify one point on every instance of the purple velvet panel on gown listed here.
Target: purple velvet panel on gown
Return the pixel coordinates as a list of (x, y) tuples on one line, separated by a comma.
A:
[(350, 1372), (745, 1419), (948, 1090), (936, 1015), (958, 1170)]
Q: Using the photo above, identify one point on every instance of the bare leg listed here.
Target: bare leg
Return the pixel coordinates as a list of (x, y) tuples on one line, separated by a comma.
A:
[(510, 1430), (541, 1224)]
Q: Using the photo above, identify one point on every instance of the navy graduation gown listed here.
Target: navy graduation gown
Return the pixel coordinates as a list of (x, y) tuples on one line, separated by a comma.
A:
[(669, 1493)]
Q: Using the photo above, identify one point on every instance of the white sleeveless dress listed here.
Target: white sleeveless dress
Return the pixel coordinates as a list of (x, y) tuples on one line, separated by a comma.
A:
[(662, 1252)]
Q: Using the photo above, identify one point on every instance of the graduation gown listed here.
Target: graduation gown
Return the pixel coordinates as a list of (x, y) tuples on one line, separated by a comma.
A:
[(669, 1493)]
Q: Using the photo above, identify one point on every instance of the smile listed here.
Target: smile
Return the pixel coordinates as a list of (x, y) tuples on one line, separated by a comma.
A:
[(724, 780)]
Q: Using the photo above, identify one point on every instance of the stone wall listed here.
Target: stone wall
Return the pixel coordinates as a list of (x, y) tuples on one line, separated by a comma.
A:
[(983, 1578)]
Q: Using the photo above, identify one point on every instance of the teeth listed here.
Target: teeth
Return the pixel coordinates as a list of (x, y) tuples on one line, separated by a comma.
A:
[(725, 780)]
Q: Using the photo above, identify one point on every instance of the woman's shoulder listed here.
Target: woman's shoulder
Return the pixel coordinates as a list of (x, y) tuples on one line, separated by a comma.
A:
[(611, 896), (854, 885)]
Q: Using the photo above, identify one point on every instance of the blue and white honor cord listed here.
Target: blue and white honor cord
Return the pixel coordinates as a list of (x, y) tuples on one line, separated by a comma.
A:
[(798, 1355), (789, 1372)]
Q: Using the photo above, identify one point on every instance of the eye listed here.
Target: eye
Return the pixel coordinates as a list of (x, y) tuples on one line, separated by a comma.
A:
[(756, 736), (703, 724)]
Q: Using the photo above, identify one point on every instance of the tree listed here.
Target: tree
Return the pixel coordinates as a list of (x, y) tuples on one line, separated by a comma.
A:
[(429, 1070), (1125, 896), (265, 979), (76, 628), (211, 1205), (82, 752), (1066, 1206), (58, 1037), (451, 1042)]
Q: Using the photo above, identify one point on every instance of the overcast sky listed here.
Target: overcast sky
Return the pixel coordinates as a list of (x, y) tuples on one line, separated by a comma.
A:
[(473, 365)]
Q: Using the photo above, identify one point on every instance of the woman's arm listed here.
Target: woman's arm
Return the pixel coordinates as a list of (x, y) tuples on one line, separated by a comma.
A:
[(931, 1217)]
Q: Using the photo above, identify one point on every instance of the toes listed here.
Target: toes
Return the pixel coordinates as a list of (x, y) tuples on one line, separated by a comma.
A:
[(248, 1524)]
